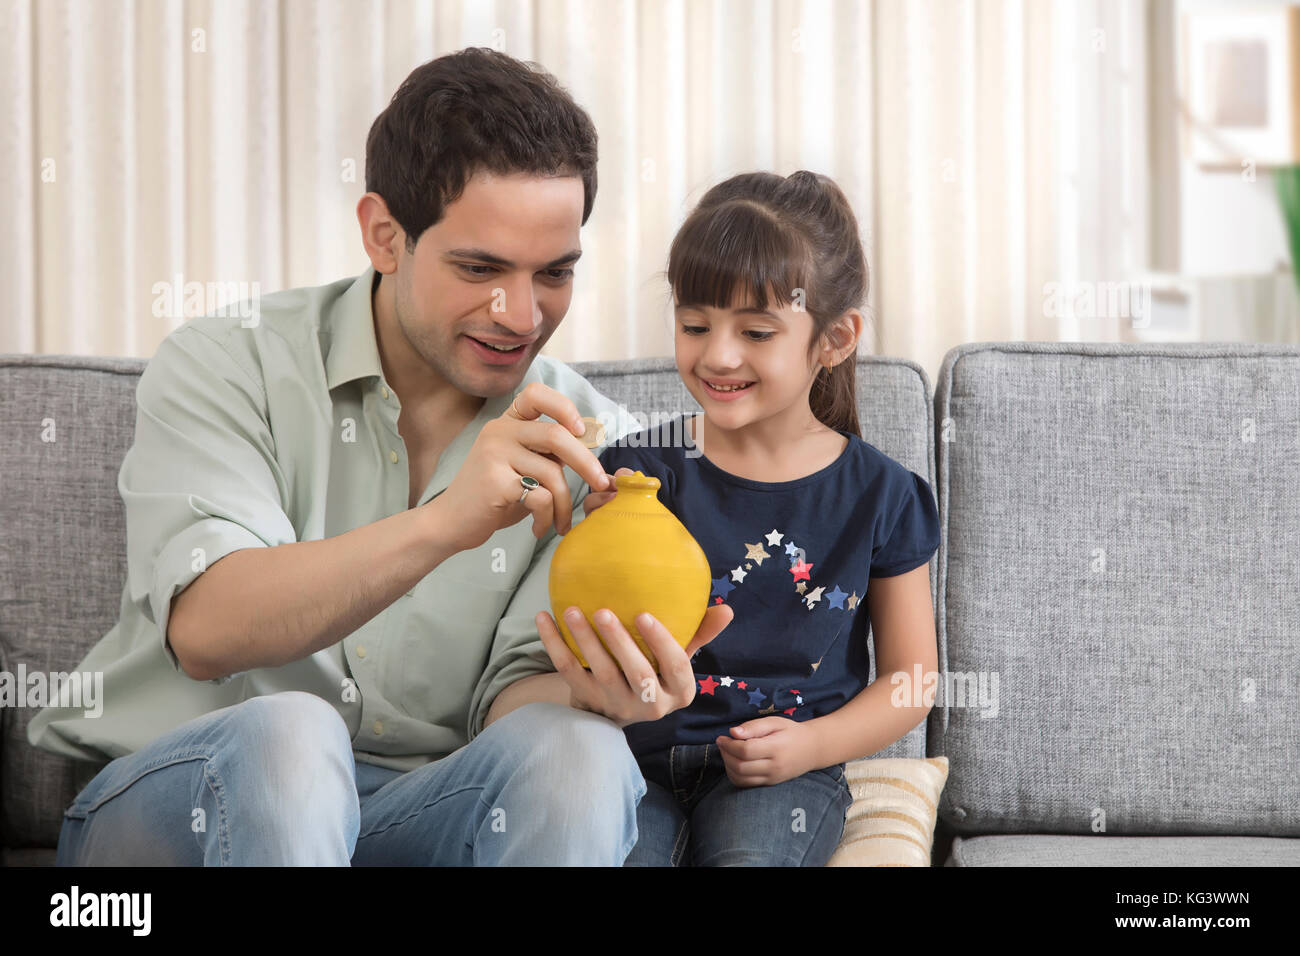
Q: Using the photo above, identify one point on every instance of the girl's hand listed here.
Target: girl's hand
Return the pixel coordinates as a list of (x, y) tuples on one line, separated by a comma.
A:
[(767, 751), (597, 498), (624, 687)]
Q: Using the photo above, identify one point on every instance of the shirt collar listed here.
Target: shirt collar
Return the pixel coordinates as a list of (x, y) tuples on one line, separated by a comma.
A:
[(353, 352)]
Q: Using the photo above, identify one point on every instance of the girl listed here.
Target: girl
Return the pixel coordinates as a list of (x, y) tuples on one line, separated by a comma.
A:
[(805, 525)]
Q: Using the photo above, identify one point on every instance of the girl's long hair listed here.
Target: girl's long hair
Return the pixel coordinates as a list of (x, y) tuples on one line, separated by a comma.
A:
[(793, 238)]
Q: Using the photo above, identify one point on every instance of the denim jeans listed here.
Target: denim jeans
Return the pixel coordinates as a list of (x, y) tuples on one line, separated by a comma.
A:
[(273, 781), (693, 815)]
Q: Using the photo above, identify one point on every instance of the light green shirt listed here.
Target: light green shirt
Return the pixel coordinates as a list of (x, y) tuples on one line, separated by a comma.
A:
[(282, 431)]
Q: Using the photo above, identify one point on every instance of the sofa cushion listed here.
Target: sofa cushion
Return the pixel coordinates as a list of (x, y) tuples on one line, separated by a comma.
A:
[(1119, 552), (62, 569), (1052, 850), (63, 563), (891, 821)]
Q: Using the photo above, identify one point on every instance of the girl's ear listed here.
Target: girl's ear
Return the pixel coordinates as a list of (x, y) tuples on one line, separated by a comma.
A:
[(841, 339)]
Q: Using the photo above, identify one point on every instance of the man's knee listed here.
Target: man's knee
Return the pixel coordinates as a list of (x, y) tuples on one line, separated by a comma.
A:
[(579, 748), (292, 722), (287, 742)]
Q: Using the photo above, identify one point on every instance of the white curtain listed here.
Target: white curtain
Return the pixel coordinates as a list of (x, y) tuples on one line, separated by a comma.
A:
[(984, 146)]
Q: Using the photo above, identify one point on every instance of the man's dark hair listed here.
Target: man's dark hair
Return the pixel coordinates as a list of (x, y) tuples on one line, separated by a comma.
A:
[(470, 111)]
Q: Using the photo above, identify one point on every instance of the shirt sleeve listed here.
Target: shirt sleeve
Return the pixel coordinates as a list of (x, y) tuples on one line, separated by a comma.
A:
[(913, 534), (201, 479), (517, 649)]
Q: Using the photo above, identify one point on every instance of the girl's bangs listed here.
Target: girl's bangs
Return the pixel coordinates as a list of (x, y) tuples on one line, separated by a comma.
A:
[(736, 255)]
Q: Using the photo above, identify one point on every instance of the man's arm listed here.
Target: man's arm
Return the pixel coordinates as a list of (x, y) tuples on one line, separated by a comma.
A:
[(540, 687), (264, 607)]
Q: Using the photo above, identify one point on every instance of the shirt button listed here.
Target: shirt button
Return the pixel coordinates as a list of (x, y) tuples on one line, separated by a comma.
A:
[(379, 727), (361, 651), (392, 456), (383, 390)]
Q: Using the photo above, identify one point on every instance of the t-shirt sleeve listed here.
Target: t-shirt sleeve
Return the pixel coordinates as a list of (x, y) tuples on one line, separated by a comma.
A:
[(912, 534), (200, 479)]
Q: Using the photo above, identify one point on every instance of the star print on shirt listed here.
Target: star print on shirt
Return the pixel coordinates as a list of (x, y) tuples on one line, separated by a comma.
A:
[(722, 587), (814, 597), (738, 573), (725, 682), (800, 571), (756, 552), (756, 696), (853, 601), (791, 549), (801, 586), (708, 685), (774, 538), (836, 598)]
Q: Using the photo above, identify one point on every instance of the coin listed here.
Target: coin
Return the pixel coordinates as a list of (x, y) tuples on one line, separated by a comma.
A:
[(594, 433)]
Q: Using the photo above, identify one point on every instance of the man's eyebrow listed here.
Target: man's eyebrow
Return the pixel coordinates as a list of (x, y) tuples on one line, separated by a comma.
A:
[(482, 255)]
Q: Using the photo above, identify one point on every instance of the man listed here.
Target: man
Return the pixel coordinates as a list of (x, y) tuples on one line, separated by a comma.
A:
[(327, 650)]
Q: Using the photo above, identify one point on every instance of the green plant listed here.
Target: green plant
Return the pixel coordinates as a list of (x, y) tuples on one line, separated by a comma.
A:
[(1288, 194)]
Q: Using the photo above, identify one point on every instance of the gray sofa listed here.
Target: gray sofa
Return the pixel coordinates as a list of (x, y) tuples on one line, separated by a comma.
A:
[(1118, 573)]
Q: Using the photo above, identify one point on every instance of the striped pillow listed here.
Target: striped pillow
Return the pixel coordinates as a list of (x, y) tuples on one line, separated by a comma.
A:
[(891, 822)]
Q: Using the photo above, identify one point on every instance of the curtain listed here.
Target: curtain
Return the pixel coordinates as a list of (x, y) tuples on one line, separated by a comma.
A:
[(988, 148)]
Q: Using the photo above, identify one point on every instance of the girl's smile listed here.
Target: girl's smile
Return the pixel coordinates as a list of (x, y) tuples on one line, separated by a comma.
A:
[(725, 389)]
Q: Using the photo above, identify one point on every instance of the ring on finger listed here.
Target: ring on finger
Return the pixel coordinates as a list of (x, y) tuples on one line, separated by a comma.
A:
[(529, 484)]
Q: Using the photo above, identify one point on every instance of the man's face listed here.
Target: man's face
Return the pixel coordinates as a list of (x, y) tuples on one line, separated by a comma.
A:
[(497, 268)]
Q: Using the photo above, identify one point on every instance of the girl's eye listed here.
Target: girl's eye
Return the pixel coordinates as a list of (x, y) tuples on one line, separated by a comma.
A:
[(755, 336)]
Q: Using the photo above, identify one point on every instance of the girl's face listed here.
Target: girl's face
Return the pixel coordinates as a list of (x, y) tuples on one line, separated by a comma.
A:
[(764, 351)]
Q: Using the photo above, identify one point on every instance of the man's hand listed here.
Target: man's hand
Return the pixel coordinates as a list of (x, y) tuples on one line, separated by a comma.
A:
[(625, 688), (768, 750), (597, 498), (484, 495)]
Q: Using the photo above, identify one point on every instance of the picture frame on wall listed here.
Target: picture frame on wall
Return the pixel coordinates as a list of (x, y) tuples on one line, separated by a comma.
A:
[(1241, 87)]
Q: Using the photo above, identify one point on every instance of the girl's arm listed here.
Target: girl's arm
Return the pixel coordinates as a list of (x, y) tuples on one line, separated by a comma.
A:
[(902, 622)]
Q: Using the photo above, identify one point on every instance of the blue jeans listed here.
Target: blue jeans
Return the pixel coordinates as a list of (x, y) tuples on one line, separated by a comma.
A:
[(273, 781), (692, 814)]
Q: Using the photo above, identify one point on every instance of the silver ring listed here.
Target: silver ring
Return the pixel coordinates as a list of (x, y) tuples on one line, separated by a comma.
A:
[(529, 484)]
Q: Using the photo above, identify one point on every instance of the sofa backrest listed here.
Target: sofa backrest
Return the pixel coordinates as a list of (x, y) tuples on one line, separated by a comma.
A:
[(66, 423), (1119, 548)]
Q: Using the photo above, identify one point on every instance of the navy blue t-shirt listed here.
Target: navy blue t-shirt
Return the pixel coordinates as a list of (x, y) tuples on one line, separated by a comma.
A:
[(793, 559)]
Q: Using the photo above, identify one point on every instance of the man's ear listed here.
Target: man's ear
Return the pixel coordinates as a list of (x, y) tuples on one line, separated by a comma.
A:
[(381, 234)]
